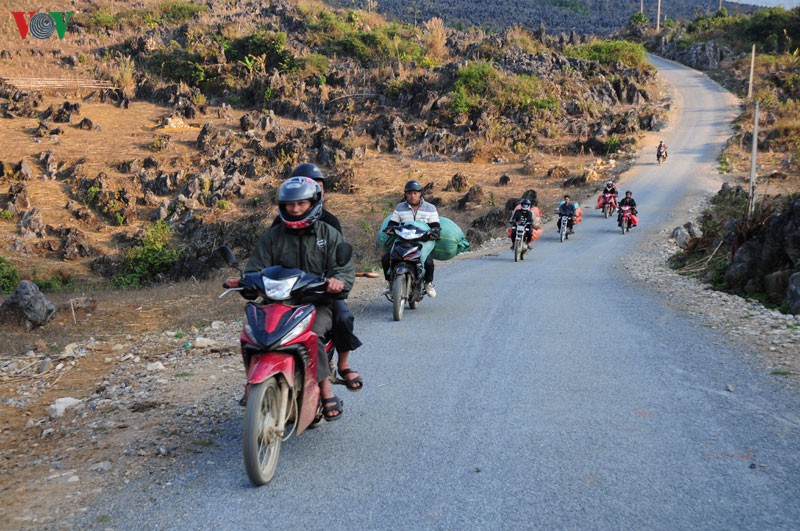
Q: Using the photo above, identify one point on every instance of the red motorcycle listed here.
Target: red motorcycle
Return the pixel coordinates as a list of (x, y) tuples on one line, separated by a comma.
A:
[(279, 351), (609, 204), (625, 218)]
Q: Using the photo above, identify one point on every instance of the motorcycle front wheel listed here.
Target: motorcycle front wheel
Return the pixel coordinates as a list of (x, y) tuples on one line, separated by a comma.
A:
[(262, 441), (607, 211), (517, 250), (622, 224), (398, 296)]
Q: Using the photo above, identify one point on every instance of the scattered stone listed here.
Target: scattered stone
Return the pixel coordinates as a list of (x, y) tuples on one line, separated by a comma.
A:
[(101, 467), (203, 342), (59, 407)]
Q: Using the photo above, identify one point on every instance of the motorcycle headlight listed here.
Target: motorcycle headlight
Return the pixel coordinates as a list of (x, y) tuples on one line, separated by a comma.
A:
[(279, 290), (407, 234), (298, 329)]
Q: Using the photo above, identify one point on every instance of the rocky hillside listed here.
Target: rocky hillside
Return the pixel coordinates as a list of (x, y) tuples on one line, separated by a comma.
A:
[(212, 105), (587, 17)]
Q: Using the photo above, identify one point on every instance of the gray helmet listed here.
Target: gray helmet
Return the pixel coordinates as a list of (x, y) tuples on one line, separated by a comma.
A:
[(300, 189), (307, 169), (413, 186)]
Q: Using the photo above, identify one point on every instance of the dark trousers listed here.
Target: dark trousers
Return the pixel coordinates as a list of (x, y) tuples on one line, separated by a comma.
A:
[(323, 322), (526, 238), (343, 324), (428, 268)]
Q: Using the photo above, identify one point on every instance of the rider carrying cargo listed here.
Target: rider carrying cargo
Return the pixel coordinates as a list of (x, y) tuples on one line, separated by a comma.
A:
[(567, 209), (610, 188), (415, 208), (628, 201), (523, 213), (300, 242)]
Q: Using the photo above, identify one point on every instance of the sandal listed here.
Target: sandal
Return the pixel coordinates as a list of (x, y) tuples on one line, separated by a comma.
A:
[(353, 384), (335, 406)]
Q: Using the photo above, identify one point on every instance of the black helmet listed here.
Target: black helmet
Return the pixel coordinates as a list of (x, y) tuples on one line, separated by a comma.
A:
[(525, 204), (307, 169), (413, 186), (300, 189), (628, 192)]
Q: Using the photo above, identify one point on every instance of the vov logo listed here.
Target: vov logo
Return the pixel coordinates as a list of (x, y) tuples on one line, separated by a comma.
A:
[(42, 25)]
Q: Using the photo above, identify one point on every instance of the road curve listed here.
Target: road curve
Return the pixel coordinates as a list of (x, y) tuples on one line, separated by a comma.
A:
[(554, 393)]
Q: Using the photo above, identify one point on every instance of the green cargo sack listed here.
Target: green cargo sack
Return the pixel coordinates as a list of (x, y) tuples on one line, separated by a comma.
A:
[(452, 241), (386, 240)]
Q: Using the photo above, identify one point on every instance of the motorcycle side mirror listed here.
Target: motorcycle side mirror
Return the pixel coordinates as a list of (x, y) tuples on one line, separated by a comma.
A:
[(228, 256), (344, 252)]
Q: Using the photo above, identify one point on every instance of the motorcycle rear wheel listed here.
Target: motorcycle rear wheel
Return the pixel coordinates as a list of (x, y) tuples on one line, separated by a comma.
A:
[(261, 444), (399, 296)]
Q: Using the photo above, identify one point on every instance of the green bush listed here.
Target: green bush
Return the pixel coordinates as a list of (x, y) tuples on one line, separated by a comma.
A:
[(9, 276), (155, 255), (55, 282), (608, 52), (638, 20), (476, 78), (6, 215), (179, 12)]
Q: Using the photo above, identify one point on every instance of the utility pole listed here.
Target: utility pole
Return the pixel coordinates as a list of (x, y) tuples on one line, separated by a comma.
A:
[(641, 7), (658, 17), (752, 67), (751, 203), (720, 6)]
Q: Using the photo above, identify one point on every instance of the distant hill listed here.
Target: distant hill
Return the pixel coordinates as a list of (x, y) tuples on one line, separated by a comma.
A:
[(585, 17)]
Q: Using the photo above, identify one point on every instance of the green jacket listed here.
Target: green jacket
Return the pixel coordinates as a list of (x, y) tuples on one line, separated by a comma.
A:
[(312, 250)]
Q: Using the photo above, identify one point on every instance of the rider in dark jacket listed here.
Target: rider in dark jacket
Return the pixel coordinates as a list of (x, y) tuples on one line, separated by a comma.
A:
[(301, 242), (629, 201), (344, 337), (567, 209), (523, 213)]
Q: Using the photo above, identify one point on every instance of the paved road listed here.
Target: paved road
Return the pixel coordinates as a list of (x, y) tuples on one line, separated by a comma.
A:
[(509, 401)]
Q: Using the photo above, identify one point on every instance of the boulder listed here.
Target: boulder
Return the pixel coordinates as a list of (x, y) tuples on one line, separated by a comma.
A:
[(27, 306), (793, 294), (776, 284), (457, 183), (681, 236), (475, 196)]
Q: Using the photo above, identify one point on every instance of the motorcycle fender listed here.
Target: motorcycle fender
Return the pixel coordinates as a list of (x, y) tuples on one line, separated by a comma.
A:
[(262, 366), (401, 268)]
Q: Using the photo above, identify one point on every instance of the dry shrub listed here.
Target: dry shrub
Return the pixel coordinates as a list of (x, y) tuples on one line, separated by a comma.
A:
[(435, 38), (122, 72)]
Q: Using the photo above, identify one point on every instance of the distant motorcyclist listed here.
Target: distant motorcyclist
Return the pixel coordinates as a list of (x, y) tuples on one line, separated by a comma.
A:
[(567, 210), (661, 151), (609, 188), (415, 208), (524, 213)]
